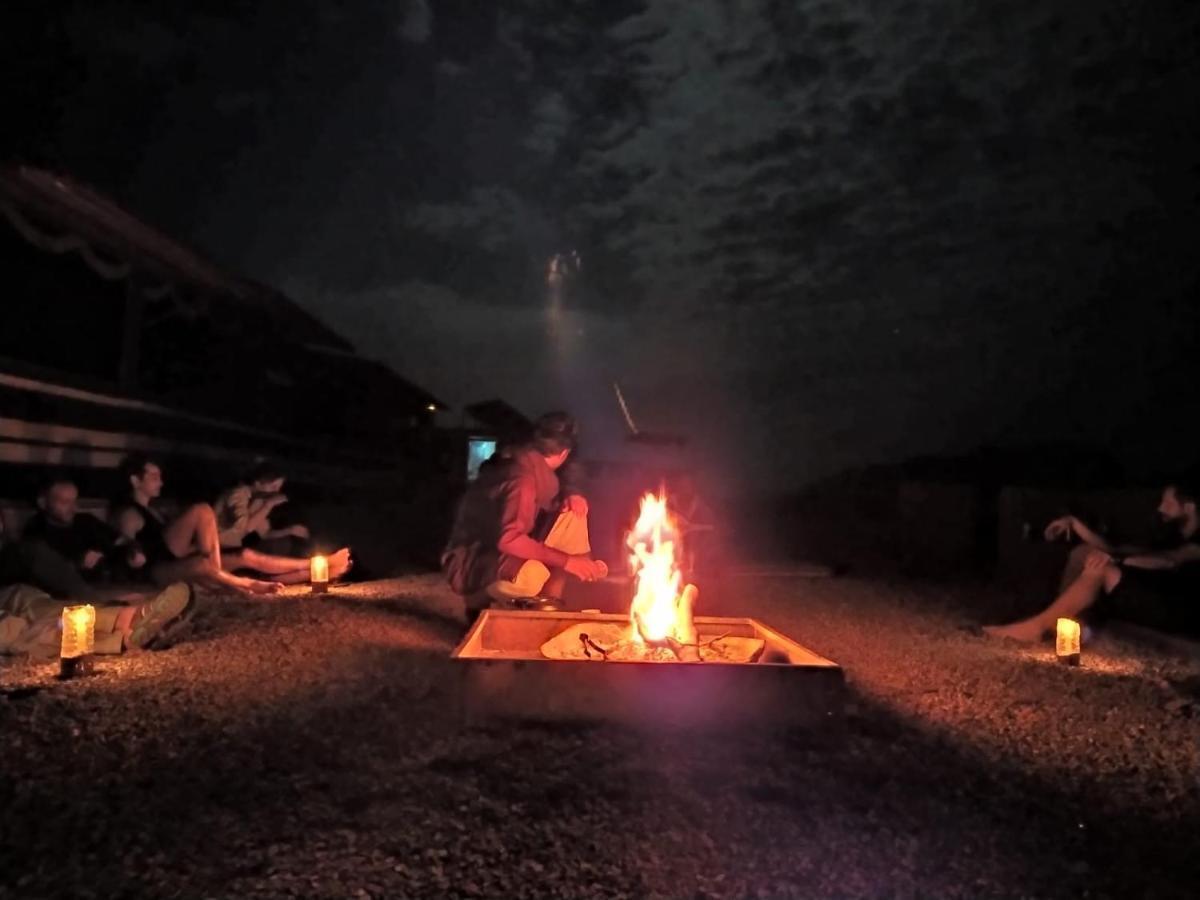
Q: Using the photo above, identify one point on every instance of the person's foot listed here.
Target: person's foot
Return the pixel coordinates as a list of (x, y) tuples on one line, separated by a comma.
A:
[(339, 563), (1025, 632), (153, 618), (250, 586)]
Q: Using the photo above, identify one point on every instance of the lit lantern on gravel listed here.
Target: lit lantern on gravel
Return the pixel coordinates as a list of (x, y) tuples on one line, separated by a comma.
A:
[(78, 638), (318, 574), (1066, 643)]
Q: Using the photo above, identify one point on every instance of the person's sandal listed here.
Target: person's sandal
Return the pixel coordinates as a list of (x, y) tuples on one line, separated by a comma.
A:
[(160, 613)]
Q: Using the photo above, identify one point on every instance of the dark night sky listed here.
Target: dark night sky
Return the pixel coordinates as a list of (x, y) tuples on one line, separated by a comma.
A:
[(814, 234)]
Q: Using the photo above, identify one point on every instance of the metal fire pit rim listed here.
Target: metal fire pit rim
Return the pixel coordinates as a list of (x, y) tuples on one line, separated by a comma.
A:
[(818, 662), (507, 678)]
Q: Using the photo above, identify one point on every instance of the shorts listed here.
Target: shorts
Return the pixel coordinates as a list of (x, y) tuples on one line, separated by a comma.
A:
[(1166, 600)]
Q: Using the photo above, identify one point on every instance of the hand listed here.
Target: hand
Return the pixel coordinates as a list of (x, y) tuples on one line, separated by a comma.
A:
[(299, 531), (585, 569), (277, 500), (91, 559), (136, 559), (1060, 529), (577, 504)]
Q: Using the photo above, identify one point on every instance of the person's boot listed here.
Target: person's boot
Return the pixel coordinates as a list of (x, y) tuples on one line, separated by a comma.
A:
[(152, 619)]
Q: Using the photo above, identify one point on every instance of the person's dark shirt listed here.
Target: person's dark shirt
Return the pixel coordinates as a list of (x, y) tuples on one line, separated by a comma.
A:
[(150, 538), (85, 534)]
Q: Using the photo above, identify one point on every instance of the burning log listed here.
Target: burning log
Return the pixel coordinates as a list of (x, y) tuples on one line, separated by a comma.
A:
[(682, 640), (613, 642), (662, 625)]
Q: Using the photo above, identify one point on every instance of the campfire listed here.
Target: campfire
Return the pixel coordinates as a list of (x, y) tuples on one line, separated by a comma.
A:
[(661, 615), (679, 668)]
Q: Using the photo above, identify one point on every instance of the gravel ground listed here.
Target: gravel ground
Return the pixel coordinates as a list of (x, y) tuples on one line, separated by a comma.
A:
[(311, 747)]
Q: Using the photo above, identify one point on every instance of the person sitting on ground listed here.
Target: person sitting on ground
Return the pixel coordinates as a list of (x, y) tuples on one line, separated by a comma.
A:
[(188, 546), (35, 564), (244, 510), (29, 620), (94, 548), (498, 548), (1159, 588)]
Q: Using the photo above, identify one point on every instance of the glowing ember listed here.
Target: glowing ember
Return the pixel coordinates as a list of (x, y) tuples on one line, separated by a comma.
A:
[(662, 607)]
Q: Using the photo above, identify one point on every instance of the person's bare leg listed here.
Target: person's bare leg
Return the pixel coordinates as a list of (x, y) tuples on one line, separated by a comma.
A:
[(195, 531), (1082, 593), (203, 572), (236, 560), (1074, 567), (339, 563)]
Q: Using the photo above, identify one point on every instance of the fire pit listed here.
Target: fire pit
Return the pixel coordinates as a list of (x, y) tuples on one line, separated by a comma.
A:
[(660, 664), (507, 675)]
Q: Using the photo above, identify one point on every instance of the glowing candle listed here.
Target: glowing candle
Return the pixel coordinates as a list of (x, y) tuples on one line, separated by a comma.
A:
[(318, 574), (78, 637), (1066, 643)]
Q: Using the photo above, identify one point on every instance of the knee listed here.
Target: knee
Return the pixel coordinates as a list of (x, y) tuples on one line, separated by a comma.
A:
[(201, 511), (1081, 552), (1112, 577), (533, 576)]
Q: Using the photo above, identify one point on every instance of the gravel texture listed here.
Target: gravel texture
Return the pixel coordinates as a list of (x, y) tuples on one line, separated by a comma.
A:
[(312, 747)]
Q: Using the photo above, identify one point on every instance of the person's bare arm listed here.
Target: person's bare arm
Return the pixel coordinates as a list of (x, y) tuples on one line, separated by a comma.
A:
[(258, 513), (1066, 526), (1170, 559), (129, 523)]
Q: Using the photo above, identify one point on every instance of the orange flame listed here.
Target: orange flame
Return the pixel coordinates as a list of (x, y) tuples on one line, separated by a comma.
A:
[(654, 543)]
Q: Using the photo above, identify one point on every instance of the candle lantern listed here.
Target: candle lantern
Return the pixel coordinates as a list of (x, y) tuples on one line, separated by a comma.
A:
[(1066, 644), (318, 574), (78, 639)]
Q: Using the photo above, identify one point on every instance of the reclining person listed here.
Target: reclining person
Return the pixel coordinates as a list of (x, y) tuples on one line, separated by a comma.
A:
[(189, 546), (96, 550), (494, 552), (1159, 588), (244, 510), (29, 620)]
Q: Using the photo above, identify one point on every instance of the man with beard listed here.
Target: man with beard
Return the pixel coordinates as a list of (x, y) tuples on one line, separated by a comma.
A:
[(1159, 588)]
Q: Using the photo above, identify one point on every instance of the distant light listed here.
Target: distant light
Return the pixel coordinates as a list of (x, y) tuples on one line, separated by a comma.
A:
[(432, 407)]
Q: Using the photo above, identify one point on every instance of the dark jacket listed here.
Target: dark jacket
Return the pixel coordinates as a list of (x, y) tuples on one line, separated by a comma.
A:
[(85, 533), (497, 521)]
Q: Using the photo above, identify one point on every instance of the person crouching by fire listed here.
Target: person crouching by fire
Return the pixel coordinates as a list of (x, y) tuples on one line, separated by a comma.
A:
[(517, 532)]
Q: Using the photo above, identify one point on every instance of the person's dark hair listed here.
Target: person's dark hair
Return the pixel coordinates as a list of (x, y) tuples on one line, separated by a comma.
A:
[(264, 470), (52, 481), (133, 465), (555, 432)]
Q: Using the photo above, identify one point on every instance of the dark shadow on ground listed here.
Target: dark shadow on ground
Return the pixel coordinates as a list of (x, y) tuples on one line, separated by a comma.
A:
[(371, 781)]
